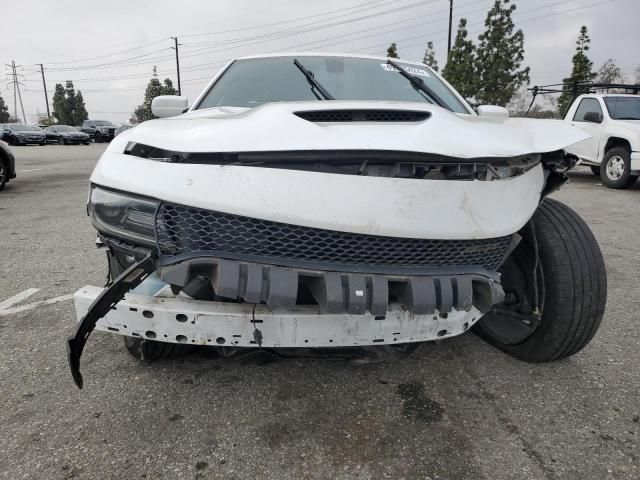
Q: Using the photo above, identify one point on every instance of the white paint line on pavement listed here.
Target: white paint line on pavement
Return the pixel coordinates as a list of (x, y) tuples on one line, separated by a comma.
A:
[(30, 170), (9, 302), (8, 310)]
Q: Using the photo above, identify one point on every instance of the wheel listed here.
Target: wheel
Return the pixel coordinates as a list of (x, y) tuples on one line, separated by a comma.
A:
[(88, 142), (98, 137), (14, 141), (616, 169), (60, 141), (555, 313), (4, 173), (595, 170), (43, 143), (151, 351)]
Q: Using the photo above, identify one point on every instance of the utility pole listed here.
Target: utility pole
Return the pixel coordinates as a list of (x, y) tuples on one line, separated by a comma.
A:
[(15, 85), (450, 21), (16, 91), (175, 39), (24, 117), (46, 97)]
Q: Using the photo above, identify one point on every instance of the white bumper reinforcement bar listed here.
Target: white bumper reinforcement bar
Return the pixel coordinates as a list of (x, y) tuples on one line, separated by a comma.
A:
[(180, 320)]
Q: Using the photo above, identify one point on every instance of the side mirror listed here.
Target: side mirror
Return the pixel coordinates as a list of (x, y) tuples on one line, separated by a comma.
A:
[(168, 105), (493, 111), (593, 117)]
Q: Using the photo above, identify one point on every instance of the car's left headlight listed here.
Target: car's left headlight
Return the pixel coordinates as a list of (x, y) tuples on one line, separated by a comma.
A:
[(123, 216)]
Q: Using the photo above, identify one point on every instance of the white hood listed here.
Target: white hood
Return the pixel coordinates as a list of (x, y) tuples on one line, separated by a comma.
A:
[(275, 127)]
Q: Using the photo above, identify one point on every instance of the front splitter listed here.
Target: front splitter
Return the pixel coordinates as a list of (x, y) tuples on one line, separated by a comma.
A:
[(179, 320)]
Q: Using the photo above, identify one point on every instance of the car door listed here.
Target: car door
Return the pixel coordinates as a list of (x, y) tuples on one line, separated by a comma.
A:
[(51, 134), (589, 117)]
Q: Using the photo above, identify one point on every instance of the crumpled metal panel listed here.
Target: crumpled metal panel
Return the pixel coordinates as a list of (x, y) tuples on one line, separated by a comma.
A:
[(337, 292)]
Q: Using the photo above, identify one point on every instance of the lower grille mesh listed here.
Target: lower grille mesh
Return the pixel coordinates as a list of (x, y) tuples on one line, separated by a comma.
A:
[(184, 230)]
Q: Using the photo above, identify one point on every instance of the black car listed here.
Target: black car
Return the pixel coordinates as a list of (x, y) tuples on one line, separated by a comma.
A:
[(65, 135), (20, 134), (7, 165), (100, 130)]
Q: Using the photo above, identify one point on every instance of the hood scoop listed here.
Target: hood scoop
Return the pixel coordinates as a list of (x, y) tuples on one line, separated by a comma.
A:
[(363, 115)]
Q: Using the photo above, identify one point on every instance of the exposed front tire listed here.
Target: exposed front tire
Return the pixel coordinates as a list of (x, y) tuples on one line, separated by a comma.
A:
[(616, 169), (151, 351), (98, 137), (595, 170), (4, 173), (571, 289), (61, 141)]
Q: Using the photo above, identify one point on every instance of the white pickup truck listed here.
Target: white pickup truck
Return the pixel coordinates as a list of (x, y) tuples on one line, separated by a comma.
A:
[(613, 151)]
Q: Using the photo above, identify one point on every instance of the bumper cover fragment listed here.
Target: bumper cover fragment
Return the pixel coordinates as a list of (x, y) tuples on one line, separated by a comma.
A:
[(101, 305)]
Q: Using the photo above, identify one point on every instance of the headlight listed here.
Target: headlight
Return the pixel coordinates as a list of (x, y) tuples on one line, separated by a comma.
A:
[(123, 216)]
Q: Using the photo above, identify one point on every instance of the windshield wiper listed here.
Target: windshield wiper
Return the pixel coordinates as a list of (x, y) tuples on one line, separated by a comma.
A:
[(313, 82), (418, 84)]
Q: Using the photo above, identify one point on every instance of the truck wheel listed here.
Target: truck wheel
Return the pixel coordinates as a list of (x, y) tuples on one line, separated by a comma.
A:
[(60, 141), (571, 289), (616, 169), (98, 137), (150, 350), (595, 170)]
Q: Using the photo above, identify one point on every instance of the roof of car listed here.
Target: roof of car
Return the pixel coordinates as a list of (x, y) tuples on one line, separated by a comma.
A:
[(602, 95), (326, 54)]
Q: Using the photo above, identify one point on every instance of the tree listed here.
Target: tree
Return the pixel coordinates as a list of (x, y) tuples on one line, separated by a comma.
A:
[(499, 57), (4, 111), (154, 89), (68, 107), (430, 57), (580, 72), (70, 99), (609, 73), (80, 113), (392, 51), (60, 106), (44, 120), (460, 68)]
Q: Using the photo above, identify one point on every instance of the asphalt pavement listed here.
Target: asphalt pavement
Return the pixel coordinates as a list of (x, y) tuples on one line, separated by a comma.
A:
[(455, 409)]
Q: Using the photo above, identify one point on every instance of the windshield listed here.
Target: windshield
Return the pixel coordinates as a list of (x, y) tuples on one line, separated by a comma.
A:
[(103, 123), (23, 128), (65, 128), (253, 82), (623, 108)]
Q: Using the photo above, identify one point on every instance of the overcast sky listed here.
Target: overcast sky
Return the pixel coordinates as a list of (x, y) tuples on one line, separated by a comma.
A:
[(110, 52)]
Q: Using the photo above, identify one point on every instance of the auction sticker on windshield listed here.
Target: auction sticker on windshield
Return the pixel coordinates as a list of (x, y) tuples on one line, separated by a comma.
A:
[(412, 70)]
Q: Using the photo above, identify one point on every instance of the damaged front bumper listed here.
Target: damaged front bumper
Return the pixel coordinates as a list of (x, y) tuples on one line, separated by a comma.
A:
[(352, 309)]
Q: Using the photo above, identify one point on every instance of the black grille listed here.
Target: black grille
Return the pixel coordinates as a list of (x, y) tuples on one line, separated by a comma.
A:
[(364, 116), (184, 230)]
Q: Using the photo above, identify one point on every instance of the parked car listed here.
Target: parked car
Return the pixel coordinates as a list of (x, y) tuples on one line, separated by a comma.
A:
[(64, 135), (613, 121), (313, 200), (7, 165), (99, 130), (20, 134)]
